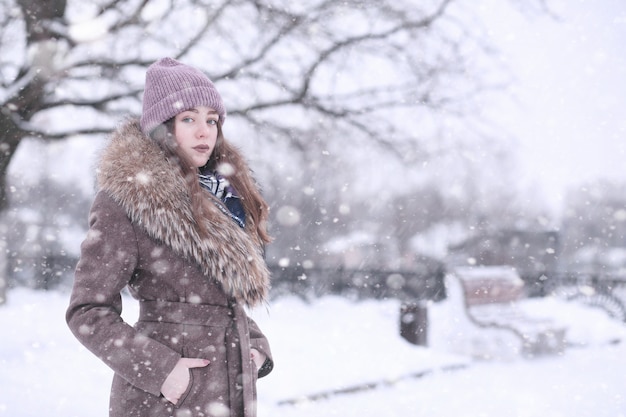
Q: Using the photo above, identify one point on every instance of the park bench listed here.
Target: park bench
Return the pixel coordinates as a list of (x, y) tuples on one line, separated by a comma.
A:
[(488, 309)]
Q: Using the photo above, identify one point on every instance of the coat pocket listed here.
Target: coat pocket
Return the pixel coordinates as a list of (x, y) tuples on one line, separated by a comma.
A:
[(208, 387), (183, 397)]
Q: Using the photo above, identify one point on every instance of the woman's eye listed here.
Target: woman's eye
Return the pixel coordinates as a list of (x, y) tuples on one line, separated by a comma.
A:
[(187, 119), (212, 121)]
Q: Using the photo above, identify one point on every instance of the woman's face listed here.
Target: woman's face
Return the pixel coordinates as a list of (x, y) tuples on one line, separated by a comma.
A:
[(196, 133)]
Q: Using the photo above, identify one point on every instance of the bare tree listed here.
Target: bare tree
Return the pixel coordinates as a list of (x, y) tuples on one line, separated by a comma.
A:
[(348, 63), (357, 72)]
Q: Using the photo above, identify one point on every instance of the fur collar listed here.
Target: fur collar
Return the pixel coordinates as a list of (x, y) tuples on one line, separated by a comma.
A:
[(135, 172)]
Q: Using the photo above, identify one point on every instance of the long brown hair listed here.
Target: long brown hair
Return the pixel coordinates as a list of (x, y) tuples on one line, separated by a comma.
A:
[(238, 175)]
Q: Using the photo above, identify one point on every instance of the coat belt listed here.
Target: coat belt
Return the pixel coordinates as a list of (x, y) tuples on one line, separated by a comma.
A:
[(185, 313)]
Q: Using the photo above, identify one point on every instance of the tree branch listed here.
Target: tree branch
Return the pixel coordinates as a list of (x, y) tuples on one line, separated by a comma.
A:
[(96, 103)]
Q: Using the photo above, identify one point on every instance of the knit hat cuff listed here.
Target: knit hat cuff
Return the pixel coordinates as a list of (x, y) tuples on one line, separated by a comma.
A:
[(180, 101)]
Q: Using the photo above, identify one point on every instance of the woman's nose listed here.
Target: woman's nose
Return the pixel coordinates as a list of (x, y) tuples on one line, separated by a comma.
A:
[(202, 131)]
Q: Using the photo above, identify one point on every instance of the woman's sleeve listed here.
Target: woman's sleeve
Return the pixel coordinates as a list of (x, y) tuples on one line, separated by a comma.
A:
[(107, 262), (259, 342)]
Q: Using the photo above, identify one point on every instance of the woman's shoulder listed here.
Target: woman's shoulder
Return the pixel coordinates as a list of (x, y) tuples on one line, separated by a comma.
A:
[(108, 216), (105, 203)]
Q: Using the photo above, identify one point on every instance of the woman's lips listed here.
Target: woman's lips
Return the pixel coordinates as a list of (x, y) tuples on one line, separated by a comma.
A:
[(202, 148)]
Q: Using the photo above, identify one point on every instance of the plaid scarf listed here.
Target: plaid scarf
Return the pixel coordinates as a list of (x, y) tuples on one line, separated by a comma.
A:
[(221, 188)]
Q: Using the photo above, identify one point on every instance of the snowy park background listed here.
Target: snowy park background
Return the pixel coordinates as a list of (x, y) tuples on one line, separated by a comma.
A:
[(559, 126)]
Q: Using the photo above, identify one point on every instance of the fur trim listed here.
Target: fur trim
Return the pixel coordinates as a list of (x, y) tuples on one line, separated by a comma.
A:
[(150, 187)]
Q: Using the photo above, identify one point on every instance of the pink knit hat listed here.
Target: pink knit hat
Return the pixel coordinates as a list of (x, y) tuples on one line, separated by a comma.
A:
[(173, 87)]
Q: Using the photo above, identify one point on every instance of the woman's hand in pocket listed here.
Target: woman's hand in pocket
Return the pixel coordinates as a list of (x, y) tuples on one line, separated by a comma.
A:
[(257, 358), (177, 381)]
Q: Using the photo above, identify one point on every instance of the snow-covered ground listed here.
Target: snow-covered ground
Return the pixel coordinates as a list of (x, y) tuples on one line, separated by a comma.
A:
[(335, 357)]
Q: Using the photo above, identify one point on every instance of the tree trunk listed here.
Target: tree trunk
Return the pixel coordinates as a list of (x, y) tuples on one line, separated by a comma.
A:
[(9, 141), (4, 269)]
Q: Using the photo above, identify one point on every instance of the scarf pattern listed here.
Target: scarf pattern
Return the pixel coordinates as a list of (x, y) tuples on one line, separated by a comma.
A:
[(221, 188)]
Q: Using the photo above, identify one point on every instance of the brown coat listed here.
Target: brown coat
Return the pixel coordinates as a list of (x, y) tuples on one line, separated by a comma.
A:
[(191, 291)]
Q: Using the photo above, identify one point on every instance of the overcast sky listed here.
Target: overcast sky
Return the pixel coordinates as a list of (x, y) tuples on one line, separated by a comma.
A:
[(571, 117)]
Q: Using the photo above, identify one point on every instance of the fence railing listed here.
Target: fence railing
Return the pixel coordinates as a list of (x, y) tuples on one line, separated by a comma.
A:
[(406, 285), (423, 283), (605, 291)]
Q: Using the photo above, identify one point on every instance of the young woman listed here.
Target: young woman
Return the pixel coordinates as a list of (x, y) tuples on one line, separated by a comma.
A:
[(178, 220)]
